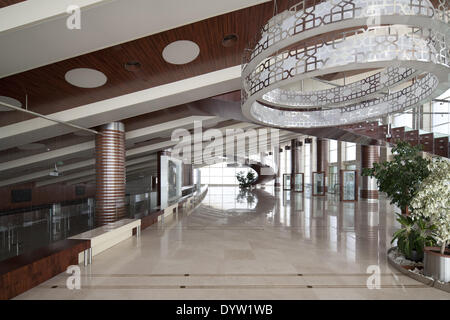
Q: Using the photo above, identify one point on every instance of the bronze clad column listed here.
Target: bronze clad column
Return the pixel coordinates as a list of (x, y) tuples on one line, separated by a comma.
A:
[(369, 155), (110, 173), (322, 158)]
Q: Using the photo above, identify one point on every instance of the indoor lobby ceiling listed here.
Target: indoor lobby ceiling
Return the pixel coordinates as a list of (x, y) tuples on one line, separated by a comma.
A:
[(48, 92)]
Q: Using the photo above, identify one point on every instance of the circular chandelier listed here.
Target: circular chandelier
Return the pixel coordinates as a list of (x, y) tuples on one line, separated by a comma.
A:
[(405, 44)]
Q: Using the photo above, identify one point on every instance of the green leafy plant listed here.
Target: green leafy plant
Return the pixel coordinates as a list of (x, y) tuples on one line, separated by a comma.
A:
[(245, 180), (413, 236), (400, 178), (432, 201)]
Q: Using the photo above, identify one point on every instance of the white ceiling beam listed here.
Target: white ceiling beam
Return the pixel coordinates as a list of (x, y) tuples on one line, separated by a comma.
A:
[(43, 173), (87, 173), (122, 107), (34, 33), (53, 154), (131, 136)]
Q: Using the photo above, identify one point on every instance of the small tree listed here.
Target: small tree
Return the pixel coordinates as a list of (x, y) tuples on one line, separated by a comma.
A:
[(244, 180), (400, 178), (432, 201)]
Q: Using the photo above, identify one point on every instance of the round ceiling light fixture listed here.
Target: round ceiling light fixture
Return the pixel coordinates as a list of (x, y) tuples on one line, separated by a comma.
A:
[(230, 40), (405, 40), (32, 146), (181, 52), (86, 78), (11, 101), (133, 66)]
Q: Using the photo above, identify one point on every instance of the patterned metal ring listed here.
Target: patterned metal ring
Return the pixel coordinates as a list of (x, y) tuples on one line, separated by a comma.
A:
[(358, 91), (356, 47), (380, 47), (301, 22), (265, 71), (417, 93)]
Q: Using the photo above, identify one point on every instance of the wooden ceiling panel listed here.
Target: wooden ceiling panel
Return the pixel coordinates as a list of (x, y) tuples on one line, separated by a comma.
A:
[(48, 92), (6, 3)]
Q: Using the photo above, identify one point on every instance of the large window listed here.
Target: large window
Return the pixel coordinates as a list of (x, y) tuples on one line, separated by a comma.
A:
[(285, 160), (441, 115), (221, 174), (403, 120), (350, 151), (307, 153), (333, 151)]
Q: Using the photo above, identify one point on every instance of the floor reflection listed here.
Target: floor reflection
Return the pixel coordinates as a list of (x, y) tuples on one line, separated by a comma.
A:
[(354, 230), (261, 244)]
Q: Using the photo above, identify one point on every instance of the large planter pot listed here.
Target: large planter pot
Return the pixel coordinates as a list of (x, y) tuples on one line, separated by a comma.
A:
[(437, 265), (415, 256)]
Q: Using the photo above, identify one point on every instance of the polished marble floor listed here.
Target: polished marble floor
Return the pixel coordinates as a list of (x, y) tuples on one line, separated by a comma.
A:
[(263, 244)]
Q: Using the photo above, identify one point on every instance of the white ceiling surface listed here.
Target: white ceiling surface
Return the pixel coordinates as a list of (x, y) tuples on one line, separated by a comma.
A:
[(50, 157), (131, 137), (123, 107), (34, 33), (143, 163)]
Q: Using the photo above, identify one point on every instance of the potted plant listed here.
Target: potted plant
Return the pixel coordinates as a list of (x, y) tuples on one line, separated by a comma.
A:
[(245, 180), (413, 237), (400, 178), (432, 202)]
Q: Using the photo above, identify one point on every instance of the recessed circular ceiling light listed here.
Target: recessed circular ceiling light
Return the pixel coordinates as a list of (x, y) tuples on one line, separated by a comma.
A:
[(32, 146), (11, 101), (133, 66), (181, 52), (230, 40), (85, 78)]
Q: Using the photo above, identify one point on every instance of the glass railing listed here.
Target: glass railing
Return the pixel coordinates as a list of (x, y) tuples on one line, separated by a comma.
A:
[(25, 231)]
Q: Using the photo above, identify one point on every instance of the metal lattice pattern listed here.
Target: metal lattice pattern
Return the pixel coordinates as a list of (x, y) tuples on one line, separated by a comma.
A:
[(413, 45), (364, 89), (300, 18), (414, 94)]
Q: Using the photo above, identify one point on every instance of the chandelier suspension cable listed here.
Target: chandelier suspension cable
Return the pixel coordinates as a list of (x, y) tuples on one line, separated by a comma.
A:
[(275, 8)]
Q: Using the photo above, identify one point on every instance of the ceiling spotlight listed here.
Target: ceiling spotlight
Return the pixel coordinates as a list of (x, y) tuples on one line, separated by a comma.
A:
[(55, 172), (133, 66), (230, 40)]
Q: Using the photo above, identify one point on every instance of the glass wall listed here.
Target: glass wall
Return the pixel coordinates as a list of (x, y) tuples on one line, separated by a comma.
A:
[(333, 144), (221, 174), (332, 179), (307, 155), (441, 114), (350, 151), (441, 121), (403, 120)]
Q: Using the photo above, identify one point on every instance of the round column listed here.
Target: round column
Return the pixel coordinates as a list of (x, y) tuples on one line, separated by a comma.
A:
[(296, 156), (110, 173), (369, 155)]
